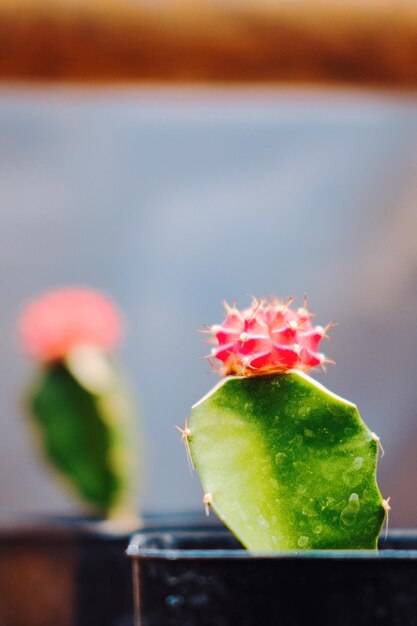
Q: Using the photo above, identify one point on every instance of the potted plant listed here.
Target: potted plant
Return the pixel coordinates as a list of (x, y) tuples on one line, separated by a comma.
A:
[(290, 468), (71, 570)]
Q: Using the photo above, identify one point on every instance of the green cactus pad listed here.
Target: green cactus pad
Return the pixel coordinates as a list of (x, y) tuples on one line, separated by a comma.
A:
[(288, 465), (83, 434)]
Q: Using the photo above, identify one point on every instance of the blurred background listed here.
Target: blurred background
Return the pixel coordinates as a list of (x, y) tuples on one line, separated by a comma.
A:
[(177, 154)]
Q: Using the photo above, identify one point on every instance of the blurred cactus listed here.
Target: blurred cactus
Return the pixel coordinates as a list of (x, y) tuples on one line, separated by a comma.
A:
[(78, 402)]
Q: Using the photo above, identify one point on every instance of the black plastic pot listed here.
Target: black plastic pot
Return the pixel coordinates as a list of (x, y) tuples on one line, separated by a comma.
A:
[(57, 571), (65, 571), (202, 577)]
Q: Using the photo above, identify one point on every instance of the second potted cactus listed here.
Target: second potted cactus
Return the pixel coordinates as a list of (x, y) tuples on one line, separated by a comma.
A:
[(284, 462), (72, 570), (290, 469), (79, 403)]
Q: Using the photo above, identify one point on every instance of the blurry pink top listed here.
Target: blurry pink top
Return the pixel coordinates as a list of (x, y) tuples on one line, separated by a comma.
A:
[(59, 321), (268, 337)]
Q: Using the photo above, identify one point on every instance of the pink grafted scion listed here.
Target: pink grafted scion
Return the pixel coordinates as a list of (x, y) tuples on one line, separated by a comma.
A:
[(268, 337), (61, 320)]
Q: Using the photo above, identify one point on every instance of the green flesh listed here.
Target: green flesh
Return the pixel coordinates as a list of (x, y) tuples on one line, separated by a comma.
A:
[(288, 464), (81, 433)]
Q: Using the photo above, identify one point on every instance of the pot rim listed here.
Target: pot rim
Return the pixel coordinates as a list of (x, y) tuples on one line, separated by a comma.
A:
[(139, 548)]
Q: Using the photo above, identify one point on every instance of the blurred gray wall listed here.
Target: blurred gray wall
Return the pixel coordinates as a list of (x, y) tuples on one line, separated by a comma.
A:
[(172, 201)]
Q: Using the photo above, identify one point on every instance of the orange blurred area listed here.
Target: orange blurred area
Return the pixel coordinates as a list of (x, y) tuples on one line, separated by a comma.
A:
[(372, 43)]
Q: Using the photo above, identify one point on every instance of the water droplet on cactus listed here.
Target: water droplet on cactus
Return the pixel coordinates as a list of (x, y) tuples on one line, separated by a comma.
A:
[(351, 477), (263, 523), (317, 529), (303, 541), (280, 458), (303, 411), (274, 483), (298, 441), (310, 509), (357, 463), (329, 504), (351, 510), (348, 432), (301, 467)]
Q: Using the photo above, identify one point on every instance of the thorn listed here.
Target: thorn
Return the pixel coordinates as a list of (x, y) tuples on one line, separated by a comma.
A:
[(185, 435), (326, 329), (229, 309), (288, 303), (206, 330), (254, 299), (250, 313), (325, 361), (387, 509), (375, 437), (207, 501), (244, 361), (214, 367), (303, 311)]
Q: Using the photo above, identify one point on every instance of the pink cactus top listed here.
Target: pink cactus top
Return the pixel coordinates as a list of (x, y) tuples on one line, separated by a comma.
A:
[(268, 337), (59, 321)]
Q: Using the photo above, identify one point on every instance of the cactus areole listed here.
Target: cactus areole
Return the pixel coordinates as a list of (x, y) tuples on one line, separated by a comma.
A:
[(285, 463)]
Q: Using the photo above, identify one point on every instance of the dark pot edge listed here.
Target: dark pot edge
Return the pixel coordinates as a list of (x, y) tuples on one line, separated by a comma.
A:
[(139, 547)]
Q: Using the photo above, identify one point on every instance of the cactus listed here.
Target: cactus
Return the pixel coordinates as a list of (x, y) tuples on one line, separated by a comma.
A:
[(78, 403), (285, 463)]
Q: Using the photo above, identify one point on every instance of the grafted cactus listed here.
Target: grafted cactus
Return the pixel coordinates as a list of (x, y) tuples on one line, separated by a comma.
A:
[(285, 463), (78, 403)]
